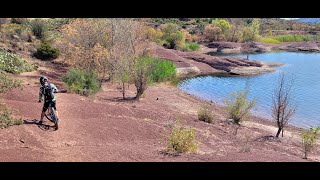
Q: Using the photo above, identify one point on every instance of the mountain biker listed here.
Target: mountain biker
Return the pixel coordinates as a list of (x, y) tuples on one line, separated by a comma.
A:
[(48, 99)]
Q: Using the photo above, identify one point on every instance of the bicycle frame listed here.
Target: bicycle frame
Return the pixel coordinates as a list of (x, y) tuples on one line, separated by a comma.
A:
[(50, 113)]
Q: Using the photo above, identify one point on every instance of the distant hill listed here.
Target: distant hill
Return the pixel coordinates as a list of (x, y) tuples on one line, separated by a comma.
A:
[(309, 20)]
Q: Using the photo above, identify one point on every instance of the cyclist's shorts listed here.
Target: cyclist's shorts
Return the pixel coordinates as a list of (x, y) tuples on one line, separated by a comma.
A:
[(46, 105)]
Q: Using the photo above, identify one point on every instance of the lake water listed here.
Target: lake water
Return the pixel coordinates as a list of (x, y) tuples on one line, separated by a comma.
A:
[(303, 67)]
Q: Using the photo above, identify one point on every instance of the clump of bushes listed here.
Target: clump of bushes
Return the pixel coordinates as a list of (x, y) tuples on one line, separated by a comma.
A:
[(160, 69), (46, 52), (82, 82), (12, 63), (205, 114), (164, 70), (309, 138), (238, 105), (182, 139), (38, 28), (170, 36)]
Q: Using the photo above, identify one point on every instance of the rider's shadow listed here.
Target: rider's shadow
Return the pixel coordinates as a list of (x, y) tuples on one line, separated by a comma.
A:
[(44, 127)]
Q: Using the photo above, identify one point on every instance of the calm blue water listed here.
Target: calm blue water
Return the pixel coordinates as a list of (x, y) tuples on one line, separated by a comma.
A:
[(303, 67)]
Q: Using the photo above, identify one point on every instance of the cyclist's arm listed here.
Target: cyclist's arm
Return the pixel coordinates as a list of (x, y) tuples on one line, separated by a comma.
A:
[(40, 93)]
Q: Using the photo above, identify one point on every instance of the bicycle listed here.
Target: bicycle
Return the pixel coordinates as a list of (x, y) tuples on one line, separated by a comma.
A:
[(50, 115)]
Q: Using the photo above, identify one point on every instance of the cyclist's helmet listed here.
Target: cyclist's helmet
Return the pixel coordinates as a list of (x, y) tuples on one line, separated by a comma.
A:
[(43, 80)]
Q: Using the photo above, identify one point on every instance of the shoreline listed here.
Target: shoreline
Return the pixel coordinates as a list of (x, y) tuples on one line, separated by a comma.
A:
[(254, 114), (201, 63)]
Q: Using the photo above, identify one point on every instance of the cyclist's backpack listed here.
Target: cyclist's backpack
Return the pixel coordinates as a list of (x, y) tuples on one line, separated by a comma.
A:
[(48, 92)]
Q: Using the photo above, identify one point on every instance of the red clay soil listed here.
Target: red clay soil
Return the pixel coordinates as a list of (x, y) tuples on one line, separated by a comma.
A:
[(104, 128)]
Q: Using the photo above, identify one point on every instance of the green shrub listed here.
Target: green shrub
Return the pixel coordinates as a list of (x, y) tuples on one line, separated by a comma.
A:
[(46, 52), (191, 47), (238, 105), (182, 139), (12, 63), (249, 35), (175, 40), (269, 40), (81, 82), (172, 37), (205, 114), (164, 70), (309, 138), (161, 69), (38, 28), (150, 70), (7, 83)]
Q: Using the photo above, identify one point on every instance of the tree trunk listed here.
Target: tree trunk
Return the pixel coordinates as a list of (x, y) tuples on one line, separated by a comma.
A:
[(236, 129), (123, 90), (305, 155), (278, 133)]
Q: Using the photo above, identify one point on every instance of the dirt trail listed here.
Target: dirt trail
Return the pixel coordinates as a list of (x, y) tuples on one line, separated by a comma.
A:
[(102, 128)]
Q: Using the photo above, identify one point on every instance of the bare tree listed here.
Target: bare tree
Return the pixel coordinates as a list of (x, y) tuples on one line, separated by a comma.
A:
[(282, 109), (106, 46), (85, 44), (129, 41)]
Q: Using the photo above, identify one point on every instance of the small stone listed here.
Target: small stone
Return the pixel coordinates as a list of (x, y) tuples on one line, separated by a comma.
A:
[(15, 36)]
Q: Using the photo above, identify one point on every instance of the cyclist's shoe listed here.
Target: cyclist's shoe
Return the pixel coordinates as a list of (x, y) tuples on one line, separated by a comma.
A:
[(40, 122), (56, 126)]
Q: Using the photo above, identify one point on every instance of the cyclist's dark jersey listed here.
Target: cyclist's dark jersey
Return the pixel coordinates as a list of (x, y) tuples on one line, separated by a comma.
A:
[(41, 92)]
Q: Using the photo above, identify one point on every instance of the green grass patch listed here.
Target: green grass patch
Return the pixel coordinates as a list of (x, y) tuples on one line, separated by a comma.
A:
[(269, 40), (191, 47), (82, 82), (297, 38)]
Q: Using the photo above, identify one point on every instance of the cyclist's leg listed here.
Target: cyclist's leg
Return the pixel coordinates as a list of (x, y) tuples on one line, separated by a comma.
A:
[(54, 108), (44, 109)]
